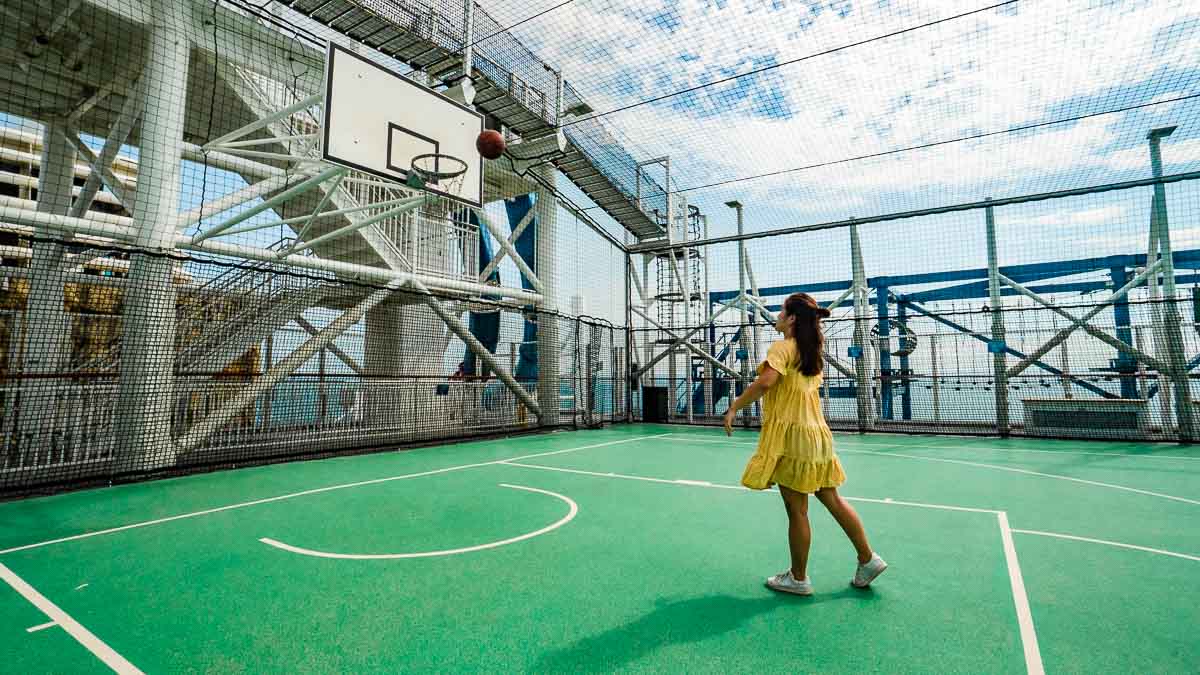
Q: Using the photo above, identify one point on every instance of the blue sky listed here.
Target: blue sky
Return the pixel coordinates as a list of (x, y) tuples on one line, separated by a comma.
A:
[(1028, 63)]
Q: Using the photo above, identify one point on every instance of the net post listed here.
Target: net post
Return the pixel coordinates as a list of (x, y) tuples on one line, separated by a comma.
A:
[(995, 300), (861, 307), (545, 264), (1160, 237), (46, 322)]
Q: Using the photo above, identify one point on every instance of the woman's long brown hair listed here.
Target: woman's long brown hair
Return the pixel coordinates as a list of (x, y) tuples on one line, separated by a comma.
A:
[(810, 339)]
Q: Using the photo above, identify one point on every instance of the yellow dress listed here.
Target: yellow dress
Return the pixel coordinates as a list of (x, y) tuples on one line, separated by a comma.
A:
[(795, 448)]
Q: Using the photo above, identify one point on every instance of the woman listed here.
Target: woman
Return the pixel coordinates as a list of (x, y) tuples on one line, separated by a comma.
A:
[(795, 448)]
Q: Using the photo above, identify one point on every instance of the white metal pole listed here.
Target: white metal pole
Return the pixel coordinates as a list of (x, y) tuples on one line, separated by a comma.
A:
[(999, 357), (1160, 230), (468, 37), (546, 268), (147, 388), (46, 328), (933, 356), (866, 419), (744, 316), (709, 403)]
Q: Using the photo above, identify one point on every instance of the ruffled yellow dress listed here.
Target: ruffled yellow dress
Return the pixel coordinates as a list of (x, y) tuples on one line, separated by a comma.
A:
[(795, 448)]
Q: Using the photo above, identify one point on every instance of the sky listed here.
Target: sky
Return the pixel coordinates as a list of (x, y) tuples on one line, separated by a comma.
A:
[(1027, 63), (871, 78)]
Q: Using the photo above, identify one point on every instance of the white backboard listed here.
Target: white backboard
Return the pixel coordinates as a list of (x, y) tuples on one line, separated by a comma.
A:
[(377, 121)]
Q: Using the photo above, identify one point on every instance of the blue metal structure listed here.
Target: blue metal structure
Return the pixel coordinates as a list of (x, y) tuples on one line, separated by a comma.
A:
[(517, 208), (485, 326), (1119, 269)]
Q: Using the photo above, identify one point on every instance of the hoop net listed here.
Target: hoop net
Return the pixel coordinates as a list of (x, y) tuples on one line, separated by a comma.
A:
[(436, 171)]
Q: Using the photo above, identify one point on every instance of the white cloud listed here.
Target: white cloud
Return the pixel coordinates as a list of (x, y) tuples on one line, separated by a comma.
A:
[(985, 72)]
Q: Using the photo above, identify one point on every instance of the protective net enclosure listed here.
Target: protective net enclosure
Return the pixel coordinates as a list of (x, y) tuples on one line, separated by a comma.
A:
[(203, 266)]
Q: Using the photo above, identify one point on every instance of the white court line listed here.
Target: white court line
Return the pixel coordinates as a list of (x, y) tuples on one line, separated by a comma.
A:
[(624, 476), (1105, 542), (573, 509), (40, 626), (1033, 656), (721, 486), (1028, 472), (973, 448), (995, 467), (268, 500), (82, 635)]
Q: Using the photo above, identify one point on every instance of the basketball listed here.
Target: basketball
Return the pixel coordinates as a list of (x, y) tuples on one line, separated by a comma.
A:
[(490, 144)]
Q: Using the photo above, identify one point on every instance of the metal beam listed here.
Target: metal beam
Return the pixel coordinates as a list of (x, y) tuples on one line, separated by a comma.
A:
[(999, 357), (24, 212), (678, 341), (333, 348), (1117, 344), (219, 206), (215, 421), (402, 206), (287, 194), (119, 189), (900, 215), (983, 338), (699, 352), (512, 239), (507, 247), (479, 350), (1064, 333), (117, 135)]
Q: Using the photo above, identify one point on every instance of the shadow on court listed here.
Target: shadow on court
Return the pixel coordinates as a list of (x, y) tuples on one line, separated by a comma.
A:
[(676, 622)]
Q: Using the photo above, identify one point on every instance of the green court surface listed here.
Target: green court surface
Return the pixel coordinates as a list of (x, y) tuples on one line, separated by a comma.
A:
[(625, 549)]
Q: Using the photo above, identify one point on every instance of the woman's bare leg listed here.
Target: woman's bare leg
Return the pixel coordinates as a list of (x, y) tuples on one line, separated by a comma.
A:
[(847, 517), (799, 531)]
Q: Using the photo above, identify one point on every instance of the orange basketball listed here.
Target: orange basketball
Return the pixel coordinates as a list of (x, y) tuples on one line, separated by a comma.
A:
[(490, 144)]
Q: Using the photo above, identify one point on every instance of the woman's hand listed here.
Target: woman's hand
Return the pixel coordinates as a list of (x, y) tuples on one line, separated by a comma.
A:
[(729, 422)]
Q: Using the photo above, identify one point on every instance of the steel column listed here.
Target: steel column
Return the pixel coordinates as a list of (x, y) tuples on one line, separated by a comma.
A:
[(861, 306), (547, 275), (1124, 363), (999, 356), (147, 386), (1160, 234)]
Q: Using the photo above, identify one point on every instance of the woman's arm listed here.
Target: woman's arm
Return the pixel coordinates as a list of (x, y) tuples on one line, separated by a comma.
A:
[(755, 391)]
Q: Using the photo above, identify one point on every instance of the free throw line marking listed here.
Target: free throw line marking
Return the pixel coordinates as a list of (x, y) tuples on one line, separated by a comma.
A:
[(268, 500), (573, 510), (82, 635), (40, 626)]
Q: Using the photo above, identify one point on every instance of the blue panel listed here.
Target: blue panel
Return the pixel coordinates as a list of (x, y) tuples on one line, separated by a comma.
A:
[(517, 208), (484, 326)]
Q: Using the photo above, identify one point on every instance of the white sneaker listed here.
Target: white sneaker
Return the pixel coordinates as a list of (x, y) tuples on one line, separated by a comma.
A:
[(784, 582), (867, 571)]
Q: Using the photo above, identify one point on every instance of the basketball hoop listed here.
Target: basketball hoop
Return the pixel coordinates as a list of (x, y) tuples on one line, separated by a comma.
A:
[(437, 172)]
